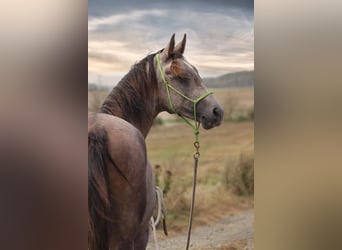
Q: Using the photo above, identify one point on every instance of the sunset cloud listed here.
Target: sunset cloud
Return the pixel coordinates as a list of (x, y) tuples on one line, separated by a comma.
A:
[(220, 36)]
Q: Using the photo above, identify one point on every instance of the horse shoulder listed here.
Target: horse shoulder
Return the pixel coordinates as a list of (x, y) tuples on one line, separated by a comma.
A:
[(126, 144), (117, 130), (125, 137)]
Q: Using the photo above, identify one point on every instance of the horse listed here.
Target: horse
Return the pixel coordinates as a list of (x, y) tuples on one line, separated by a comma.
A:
[(121, 185)]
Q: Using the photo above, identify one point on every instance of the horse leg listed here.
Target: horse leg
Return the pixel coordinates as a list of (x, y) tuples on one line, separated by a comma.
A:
[(120, 244), (139, 243), (120, 236), (126, 212), (141, 240), (128, 200)]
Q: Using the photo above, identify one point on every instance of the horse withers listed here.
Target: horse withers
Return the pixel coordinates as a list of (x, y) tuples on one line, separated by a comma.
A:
[(121, 188)]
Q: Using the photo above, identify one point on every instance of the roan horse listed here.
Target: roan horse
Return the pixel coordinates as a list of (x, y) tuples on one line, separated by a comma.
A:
[(121, 187)]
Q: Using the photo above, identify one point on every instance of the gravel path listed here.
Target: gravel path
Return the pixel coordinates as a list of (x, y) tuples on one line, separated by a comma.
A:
[(234, 232)]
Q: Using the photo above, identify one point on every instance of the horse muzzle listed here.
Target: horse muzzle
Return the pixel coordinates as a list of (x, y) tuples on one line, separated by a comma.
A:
[(212, 118)]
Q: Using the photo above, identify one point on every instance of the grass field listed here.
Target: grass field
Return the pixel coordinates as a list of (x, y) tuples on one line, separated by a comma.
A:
[(171, 147)]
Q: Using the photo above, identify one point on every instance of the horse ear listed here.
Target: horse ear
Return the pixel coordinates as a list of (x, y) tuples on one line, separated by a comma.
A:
[(180, 47), (169, 48)]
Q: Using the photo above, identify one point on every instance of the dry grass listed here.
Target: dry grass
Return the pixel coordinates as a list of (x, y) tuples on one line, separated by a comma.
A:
[(171, 147), (239, 175), (238, 103), (95, 100)]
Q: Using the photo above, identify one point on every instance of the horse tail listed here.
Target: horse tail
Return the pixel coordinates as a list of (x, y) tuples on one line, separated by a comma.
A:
[(98, 198)]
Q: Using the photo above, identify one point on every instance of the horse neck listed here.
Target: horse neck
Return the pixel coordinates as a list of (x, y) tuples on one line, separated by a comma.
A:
[(134, 99)]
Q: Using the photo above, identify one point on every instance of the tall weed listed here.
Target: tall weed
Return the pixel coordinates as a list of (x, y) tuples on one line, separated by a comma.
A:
[(239, 175)]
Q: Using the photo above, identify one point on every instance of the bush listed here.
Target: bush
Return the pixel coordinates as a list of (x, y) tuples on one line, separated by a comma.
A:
[(163, 178), (158, 121), (241, 118), (244, 115), (251, 113), (239, 175), (95, 100)]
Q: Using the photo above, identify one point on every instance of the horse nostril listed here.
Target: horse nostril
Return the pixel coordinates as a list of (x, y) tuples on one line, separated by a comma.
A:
[(217, 111)]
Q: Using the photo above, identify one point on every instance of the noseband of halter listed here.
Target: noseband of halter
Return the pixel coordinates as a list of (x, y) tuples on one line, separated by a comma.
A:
[(168, 86)]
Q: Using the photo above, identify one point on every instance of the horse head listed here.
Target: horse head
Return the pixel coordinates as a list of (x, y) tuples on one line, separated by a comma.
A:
[(183, 91)]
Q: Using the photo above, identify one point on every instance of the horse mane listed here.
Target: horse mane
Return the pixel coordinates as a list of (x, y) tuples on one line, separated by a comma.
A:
[(133, 92)]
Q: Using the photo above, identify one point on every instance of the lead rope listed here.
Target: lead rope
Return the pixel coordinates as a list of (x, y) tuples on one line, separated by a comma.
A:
[(195, 128), (154, 233), (161, 213), (196, 157)]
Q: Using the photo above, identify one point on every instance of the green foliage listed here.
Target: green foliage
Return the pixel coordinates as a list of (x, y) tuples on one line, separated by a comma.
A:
[(167, 182), (251, 114), (239, 175), (241, 118), (236, 111), (97, 87), (92, 87), (157, 173), (158, 121)]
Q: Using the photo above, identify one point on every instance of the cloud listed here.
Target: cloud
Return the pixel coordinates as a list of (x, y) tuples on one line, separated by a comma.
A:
[(95, 23), (109, 56), (220, 40)]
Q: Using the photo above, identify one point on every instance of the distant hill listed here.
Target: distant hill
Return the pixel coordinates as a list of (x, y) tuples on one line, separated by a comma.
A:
[(243, 79)]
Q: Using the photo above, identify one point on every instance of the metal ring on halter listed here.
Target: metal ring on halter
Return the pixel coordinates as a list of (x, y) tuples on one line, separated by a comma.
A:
[(196, 155)]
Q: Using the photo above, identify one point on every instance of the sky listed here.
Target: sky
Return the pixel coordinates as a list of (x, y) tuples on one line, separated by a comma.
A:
[(220, 34)]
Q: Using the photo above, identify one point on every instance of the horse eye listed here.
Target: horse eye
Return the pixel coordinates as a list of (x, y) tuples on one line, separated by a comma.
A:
[(184, 79)]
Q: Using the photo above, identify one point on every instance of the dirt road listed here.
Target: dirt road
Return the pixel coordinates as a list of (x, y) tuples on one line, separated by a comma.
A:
[(232, 233)]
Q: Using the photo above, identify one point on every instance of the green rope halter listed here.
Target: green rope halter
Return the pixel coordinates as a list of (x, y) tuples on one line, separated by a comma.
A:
[(168, 86)]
